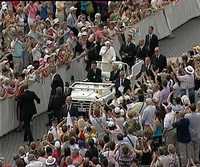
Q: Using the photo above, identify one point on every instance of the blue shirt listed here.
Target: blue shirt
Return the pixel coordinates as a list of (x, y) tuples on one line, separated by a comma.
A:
[(18, 49), (44, 12)]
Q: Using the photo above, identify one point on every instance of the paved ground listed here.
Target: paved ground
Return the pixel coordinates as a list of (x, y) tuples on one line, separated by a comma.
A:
[(10, 143), (183, 39)]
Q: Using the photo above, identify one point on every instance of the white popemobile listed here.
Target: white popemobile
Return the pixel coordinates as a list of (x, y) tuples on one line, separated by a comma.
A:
[(83, 93)]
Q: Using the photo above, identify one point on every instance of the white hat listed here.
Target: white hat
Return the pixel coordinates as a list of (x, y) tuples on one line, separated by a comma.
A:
[(4, 5), (84, 33), (111, 124), (107, 43), (117, 110), (57, 144), (97, 14), (185, 100), (50, 161), (30, 67), (72, 8), (189, 70)]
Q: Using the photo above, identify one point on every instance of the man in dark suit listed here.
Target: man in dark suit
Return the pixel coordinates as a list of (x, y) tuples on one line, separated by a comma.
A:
[(147, 69), (159, 61), (151, 41), (141, 50), (70, 108), (28, 110), (122, 85), (114, 74), (94, 74), (128, 51)]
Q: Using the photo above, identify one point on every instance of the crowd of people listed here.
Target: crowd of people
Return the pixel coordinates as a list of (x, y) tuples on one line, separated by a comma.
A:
[(38, 35), (151, 123)]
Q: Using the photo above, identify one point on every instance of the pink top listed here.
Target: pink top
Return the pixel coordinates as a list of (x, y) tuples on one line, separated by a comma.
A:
[(32, 11)]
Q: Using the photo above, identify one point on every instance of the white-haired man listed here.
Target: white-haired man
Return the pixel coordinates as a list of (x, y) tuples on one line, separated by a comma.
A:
[(108, 52)]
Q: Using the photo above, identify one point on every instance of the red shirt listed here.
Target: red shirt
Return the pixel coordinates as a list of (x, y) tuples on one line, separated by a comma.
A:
[(57, 154), (15, 3)]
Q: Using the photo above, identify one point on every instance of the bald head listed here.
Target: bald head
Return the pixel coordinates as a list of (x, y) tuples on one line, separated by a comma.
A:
[(157, 51)]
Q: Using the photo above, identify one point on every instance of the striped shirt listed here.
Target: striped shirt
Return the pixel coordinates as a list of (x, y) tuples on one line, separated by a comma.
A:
[(187, 81)]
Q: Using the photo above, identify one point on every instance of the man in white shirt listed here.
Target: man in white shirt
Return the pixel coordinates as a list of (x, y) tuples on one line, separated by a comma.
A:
[(170, 118), (187, 83), (107, 52)]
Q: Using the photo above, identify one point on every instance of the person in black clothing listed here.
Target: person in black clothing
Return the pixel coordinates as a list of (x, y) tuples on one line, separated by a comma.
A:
[(183, 137), (122, 85), (56, 105), (28, 109), (92, 151), (151, 41), (10, 60), (146, 68), (92, 52), (67, 89), (70, 108), (114, 74), (159, 61), (141, 50), (94, 74), (128, 51), (57, 82)]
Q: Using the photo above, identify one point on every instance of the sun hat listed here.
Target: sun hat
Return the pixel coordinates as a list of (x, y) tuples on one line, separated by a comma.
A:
[(107, 43), (97, 14), (189, 70), (50, 161), (57, 144)]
